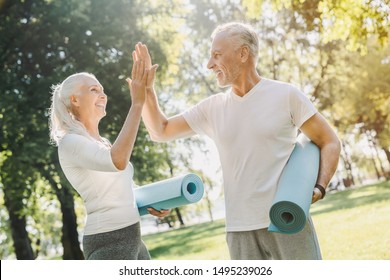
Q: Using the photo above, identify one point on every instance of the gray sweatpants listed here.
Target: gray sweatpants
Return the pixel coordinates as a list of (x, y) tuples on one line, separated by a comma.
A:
[(264, 245), (121, 244)]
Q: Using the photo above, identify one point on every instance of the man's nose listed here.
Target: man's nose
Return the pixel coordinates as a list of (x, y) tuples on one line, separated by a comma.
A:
[(210, 63)]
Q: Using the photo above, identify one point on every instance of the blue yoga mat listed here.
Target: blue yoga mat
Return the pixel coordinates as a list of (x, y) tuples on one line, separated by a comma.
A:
[(291, 204), (169, 193)]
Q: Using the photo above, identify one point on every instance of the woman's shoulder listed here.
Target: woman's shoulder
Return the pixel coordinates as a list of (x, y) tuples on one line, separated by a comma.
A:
[(71, 140), (70, 137)]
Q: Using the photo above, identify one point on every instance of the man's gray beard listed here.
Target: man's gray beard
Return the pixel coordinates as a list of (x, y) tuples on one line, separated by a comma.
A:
[(235, 74), (222, 86)]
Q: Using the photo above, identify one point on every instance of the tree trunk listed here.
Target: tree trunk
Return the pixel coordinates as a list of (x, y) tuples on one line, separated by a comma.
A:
[(383, 171), (349, 181), (22, 242), (70, 236), (387, 152), (209, 204), (372, 147), (209, 209), (378, 176)]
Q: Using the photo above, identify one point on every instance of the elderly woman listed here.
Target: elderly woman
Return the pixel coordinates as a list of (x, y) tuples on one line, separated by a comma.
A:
[(98, 170)]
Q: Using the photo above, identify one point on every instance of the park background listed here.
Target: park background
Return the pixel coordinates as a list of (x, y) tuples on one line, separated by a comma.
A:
[(336, 51)]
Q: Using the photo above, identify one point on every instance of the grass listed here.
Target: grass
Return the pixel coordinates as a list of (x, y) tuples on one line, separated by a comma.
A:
[(351, 225), (198, 242), (354, 224)]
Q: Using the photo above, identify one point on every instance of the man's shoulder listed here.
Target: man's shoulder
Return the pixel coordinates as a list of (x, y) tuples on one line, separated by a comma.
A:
[(216, 97), (279, 83), (222, 94), (281, 87)]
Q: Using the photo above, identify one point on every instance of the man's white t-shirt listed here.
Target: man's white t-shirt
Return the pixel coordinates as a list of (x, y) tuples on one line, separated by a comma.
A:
[(255, 135), (107, 192)]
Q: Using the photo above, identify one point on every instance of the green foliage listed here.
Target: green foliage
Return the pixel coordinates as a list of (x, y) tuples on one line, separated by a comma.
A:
[(347, 20), (6, 248), (359, 95)]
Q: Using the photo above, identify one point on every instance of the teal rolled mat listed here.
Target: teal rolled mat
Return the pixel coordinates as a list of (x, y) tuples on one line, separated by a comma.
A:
[(169, 193), (291, 204)]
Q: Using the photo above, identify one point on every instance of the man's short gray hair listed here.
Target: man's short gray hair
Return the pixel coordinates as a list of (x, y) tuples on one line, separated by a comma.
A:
[(242, 34)]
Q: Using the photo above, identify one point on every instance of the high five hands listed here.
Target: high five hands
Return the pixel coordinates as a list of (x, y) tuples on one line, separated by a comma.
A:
[(141, 52), (142, 74)]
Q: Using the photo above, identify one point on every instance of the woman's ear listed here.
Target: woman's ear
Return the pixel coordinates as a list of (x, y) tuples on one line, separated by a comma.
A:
[(74, 100)]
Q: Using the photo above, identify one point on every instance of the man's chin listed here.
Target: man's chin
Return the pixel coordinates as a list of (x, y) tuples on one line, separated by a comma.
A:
[(222, 84)]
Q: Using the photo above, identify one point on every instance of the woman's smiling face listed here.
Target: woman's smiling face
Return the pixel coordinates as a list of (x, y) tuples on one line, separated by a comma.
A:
[(90, 102)]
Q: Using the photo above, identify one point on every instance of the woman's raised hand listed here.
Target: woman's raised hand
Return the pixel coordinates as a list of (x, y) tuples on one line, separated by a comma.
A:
[(137, 83)]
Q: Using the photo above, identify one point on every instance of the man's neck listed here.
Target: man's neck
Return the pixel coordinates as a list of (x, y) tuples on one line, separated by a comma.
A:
[(245, 83)]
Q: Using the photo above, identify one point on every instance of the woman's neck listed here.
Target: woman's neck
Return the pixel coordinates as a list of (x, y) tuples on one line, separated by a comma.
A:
[(93, 130)]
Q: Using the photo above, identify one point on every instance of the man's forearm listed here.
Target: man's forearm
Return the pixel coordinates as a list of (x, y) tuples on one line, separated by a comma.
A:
[(154, 119), (329, 159)]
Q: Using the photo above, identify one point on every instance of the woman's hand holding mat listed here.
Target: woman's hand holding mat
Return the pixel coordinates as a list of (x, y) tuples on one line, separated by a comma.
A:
[(290, 207), (170, 193)]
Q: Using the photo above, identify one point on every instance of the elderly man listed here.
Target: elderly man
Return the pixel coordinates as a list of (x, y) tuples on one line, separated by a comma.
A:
[(254, 125)]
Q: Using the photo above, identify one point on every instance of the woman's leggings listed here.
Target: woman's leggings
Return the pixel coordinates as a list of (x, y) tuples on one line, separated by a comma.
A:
[(121, 244)]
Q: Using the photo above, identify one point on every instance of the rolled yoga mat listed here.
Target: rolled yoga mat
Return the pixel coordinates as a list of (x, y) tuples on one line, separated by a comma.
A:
[(291, 204), (169, 193)]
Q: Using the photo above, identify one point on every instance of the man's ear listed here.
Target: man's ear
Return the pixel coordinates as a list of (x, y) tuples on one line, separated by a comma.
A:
[(244, 54)]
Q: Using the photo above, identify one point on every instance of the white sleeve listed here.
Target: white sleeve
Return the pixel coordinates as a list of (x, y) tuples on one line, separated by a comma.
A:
[(79, 151), (198, 117), (301, 108)]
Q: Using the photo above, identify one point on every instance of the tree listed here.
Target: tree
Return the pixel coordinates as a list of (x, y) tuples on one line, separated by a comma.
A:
[(354, 22), (42, 43)]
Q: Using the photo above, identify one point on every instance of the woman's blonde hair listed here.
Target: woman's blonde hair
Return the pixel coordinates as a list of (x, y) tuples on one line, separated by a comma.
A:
[(62, 120)]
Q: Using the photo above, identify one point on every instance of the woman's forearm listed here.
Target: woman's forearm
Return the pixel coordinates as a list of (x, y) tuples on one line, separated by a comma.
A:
[(124, 144)]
